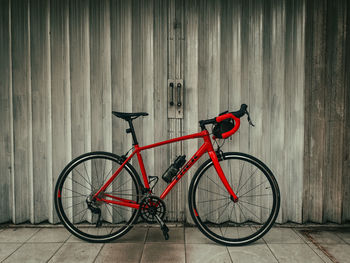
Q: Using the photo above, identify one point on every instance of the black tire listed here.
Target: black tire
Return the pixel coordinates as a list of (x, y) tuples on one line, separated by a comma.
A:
[(237, 228), (79, 180)]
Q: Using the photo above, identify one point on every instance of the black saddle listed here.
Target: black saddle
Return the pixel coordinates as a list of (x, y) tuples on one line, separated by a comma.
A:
[(129, 116)]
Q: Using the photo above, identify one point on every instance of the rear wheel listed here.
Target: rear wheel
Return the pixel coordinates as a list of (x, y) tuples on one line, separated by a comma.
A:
[(234, 223), (96, 221)]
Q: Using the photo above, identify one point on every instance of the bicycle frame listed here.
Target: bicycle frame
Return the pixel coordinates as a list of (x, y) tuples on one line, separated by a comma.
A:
[(207, 146)]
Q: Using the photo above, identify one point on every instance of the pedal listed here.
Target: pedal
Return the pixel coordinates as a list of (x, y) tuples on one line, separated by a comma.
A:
[(163, 227)]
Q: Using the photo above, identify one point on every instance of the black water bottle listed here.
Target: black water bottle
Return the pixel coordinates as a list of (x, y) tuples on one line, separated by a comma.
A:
[(173, 169)]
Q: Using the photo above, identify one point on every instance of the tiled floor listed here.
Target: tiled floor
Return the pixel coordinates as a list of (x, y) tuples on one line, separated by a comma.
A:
[(185, 245)]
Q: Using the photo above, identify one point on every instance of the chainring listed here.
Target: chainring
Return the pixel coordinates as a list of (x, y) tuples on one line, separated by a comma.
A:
[(151, 206)]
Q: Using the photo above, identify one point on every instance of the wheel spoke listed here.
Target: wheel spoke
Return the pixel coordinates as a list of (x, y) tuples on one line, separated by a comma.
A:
[(251, 212), (247, 180), (254, 204), (253, 188), (73, 191), (213, 200), (217, 184), (210, 191), (82, 177), (216, 209), (82, 219), (240, 176), (232, 225)]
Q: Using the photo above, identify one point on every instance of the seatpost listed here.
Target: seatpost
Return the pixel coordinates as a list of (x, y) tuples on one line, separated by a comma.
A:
[(132, 131)]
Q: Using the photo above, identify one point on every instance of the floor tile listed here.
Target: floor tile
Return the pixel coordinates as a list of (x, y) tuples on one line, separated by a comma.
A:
[(252, 253), (122, 252), (344, 235), (282, 236), (239, 232), (294, 253), (194, 236), (341, 252), (320, 253), (7, 249), (176, 235), (74, 239), (50, 235), (325, 237), (77, 252), (34, 252), (17, 234), (158, 252), (202, 253), (135, 235)]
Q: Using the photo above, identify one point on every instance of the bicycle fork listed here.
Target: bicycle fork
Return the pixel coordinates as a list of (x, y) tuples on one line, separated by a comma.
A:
[(222, 176)]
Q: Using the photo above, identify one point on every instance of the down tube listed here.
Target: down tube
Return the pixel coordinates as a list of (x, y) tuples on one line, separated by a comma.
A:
[(192, 161)]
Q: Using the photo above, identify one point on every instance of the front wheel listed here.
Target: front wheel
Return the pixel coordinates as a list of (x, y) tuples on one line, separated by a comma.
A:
[(218, 216)]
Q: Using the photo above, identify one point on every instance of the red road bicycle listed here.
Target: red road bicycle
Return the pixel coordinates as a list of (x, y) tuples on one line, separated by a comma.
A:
[(233, 198)]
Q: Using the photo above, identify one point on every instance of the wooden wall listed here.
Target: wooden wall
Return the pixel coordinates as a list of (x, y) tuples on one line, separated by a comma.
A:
[(65, 65), (326, 156)]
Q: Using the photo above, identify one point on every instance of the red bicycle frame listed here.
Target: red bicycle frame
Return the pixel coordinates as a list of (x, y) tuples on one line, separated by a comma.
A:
[(207, 146)]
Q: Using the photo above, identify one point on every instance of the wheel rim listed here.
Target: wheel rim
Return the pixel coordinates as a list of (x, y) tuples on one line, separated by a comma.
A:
[(241, 222), (79, 212)]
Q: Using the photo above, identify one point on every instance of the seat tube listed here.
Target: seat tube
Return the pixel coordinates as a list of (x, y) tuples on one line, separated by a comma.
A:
[(142, 166), (222, 176)]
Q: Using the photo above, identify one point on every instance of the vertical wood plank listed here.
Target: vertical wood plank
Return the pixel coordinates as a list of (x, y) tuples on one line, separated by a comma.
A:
[(40, 84), (315, 124), (5, 112), (346, 149), (100, 75), (233, 75), (160, 47), (22, 130), (60, 93), (147, 94), (294, 111), (334, 111), (80, 76), (121, 68), (191, 84), (245, 51), (277, 121), (137, 78), (267, 99)]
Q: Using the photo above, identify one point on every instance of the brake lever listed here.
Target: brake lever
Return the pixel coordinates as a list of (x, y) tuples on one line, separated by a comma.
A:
[(249, 120)]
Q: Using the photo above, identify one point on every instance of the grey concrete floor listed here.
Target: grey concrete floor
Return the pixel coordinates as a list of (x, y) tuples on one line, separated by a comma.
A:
[(186, 244)]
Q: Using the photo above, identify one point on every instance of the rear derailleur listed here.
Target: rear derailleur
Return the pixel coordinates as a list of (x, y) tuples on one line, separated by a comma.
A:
[(93, 206)]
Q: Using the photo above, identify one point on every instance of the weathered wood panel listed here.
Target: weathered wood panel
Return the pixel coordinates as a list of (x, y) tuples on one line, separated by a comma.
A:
[(100, 75), (191, 83), (60, 94), (160, 60), (325, 106), (40, 84), (294, 114), (22, 181), (346, 153), (79, 62), (65, 65), (278, 104), (6, 142), (334, 111), (121, 68)]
